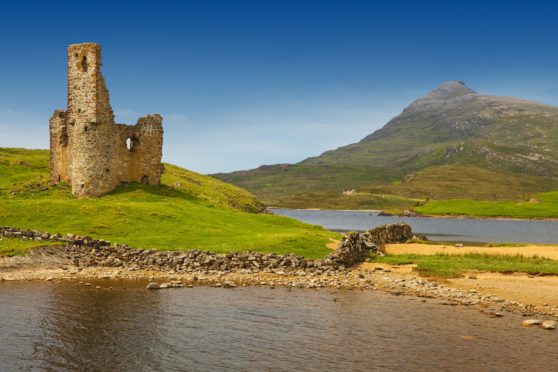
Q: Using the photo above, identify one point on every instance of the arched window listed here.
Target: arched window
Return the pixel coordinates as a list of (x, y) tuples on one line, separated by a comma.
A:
[(84, 64), (132, 142)]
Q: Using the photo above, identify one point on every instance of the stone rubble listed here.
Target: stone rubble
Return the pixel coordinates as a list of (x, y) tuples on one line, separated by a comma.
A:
[(85, 251), (549, 324)]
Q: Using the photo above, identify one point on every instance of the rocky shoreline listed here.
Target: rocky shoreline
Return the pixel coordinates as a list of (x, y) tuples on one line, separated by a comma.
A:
[(85, 251), (366, 276), (85, 259)]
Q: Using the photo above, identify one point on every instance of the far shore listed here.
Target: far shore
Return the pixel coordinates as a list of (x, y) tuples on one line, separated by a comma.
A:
[(418, 215)]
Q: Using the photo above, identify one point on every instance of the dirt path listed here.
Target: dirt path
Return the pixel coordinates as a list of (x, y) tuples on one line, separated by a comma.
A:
[(550, 251)]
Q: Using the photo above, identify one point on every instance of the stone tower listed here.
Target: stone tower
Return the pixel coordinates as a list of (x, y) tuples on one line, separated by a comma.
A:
[(87, 149)]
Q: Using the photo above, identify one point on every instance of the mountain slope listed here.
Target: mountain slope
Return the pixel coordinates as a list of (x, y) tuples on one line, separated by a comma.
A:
[(452, 125)]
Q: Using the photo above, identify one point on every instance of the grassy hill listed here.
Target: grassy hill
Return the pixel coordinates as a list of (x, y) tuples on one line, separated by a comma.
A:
[(188, 211), (451, 143)]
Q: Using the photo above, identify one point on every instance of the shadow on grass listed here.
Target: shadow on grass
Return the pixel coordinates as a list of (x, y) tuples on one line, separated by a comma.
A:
[(156, 190)]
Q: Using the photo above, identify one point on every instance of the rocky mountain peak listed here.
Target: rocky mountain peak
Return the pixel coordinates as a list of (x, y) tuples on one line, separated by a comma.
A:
[(444, 92)]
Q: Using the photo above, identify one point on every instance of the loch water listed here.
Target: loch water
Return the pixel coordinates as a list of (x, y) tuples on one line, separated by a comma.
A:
[(64, 327), (438, 229)]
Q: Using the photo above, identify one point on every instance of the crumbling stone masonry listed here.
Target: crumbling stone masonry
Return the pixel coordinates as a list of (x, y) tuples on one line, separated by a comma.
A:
[(87, 149), (352, 249)]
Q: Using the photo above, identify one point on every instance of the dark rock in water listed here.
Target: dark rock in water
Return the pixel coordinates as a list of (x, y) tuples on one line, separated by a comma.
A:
[(229, 284), (549, 324), (385, 214), (153, 285), (409, 213), (531, 322), (496, 314)]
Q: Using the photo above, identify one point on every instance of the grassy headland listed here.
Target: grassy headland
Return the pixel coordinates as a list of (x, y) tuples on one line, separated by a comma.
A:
[(188, 211), (543, 205)]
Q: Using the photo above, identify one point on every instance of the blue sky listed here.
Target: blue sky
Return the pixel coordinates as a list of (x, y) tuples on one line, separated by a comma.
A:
[(245, 83)]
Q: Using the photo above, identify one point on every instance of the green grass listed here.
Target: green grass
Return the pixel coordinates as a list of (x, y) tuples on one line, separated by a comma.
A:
[(25, 173), (189, 211), (321, 186), (468, 182), (545, 207), (503, 244), (211, 189), (19, 247), (443, 265), (361, 200)]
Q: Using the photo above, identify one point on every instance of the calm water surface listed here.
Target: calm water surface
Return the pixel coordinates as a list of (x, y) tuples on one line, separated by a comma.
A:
[(441, 229), (53, 326)]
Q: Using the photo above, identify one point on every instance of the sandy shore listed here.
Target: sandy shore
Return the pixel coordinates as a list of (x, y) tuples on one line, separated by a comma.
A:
[(540, 291), (549, 251)]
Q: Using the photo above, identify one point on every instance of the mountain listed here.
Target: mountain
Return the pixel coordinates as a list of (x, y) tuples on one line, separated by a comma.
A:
[(452, 126)]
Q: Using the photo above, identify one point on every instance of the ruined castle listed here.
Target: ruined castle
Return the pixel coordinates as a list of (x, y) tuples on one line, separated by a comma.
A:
[(88, 149)]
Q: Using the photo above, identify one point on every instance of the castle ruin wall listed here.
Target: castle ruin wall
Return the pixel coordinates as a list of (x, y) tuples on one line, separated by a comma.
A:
[(88, 150)]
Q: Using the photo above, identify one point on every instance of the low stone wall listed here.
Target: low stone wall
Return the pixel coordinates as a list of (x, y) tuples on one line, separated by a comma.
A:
[(71, 239), (354, 246), (85, 251)]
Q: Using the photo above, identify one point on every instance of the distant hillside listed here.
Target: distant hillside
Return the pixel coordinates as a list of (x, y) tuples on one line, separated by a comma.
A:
[(452, 125), (187, 211)]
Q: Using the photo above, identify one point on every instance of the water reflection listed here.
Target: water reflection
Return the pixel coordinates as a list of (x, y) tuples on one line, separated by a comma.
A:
[(51, 326), (72, 327)]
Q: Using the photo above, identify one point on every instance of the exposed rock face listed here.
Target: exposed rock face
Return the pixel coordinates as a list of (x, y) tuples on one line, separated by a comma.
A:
[(85, 251), (87, 149), (444, 92)]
